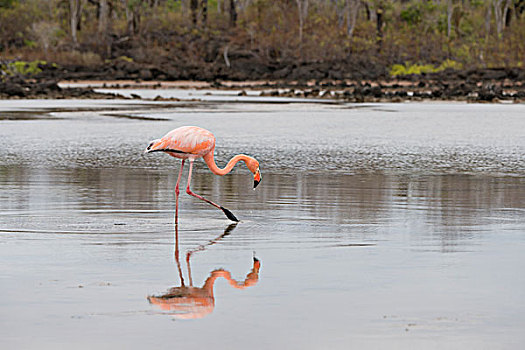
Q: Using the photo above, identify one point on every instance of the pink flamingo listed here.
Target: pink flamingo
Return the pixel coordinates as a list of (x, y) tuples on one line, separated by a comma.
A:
[(192, 142)]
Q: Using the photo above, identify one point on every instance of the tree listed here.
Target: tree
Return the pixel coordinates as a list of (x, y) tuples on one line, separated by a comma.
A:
[(352, 9), (46, 34), (379, 23), (103, 18), (488, 14), (103, 25), (204, 11), (194, 4), (501, 8), (6, 3), (75, 16), (450, 9), (133, 11), (233, 14), (302, 9)]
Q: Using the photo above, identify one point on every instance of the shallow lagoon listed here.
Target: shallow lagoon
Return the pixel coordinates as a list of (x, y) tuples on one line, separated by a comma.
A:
[(387, 225)]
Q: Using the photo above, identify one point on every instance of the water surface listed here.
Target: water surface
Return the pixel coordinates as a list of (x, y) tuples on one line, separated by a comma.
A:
[(375, 226)]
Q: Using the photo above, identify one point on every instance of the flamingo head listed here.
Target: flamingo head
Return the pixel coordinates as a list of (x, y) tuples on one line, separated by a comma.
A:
[(253, 165), (152, 146), (256, 178)]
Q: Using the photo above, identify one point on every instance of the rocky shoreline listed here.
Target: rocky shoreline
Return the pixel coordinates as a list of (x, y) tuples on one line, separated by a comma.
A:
[(20, 88), (475, 85), (399, 91)]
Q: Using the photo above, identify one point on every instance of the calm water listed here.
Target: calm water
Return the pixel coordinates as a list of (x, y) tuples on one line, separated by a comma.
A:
[(375, 226)]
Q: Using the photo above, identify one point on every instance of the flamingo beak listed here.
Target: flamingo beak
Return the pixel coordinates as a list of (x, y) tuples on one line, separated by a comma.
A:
[(155, 146), (149, 148), (256, 178)]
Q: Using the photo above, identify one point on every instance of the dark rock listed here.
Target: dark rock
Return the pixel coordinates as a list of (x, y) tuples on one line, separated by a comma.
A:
[(47, 86), (376, 91), (282, 73), (335, 74), (494, 74), (12, 89), (486, 95), (145, 74)]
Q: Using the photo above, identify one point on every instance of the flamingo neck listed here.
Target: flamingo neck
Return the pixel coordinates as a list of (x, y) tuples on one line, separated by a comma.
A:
[(210, 161)]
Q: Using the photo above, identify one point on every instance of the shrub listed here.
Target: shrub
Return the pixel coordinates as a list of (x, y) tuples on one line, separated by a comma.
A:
[(407, 69), (23, 67)]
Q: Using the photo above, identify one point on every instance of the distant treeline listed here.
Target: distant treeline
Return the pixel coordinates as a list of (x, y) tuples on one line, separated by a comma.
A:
[(457, 33)]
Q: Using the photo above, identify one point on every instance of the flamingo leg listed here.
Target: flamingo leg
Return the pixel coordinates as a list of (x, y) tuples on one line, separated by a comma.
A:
[(228, 213), (177, 194)]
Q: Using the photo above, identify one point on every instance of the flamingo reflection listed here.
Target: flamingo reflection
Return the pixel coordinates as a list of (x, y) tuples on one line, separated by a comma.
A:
[(190, 302)]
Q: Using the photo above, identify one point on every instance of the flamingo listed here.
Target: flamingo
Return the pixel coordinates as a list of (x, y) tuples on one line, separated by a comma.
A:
[(193, 142)]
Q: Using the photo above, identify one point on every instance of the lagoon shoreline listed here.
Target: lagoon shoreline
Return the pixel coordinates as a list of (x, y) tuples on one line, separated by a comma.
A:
[(477, 85)]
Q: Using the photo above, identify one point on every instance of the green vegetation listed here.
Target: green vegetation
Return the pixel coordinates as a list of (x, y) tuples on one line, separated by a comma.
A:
[(125, 58), (407, 69), (23, 68), (6, 3), (386, 33)]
